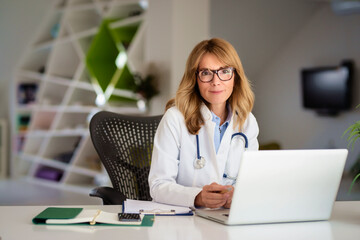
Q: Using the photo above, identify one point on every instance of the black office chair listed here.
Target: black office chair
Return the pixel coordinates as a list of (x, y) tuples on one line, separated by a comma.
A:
[(124, 145)]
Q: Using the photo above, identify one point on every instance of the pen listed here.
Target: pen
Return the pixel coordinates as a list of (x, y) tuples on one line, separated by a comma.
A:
[(93, 220)]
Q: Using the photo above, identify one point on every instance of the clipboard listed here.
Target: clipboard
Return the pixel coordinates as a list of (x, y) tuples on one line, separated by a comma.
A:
[(154, 208)]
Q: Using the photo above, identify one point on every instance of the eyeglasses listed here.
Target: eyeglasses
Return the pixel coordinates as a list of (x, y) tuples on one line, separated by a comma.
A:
[(207, 75)]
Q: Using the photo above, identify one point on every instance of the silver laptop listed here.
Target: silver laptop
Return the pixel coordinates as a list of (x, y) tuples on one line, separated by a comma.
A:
[(283, 186)]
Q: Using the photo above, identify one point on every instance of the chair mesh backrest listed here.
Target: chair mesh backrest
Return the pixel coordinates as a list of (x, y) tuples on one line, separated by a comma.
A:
[(124, 144)]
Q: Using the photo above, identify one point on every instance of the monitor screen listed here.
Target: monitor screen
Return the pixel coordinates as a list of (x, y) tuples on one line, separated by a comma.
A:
[(327, 88)]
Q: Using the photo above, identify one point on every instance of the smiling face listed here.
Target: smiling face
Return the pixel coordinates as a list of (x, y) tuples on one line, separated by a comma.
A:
[(216, 92)]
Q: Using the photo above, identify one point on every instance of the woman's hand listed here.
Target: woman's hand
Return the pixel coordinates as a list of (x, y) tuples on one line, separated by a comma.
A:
[(215, 196)]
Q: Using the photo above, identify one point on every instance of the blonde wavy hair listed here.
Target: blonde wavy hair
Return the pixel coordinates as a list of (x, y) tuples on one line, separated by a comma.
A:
[(188, 99)]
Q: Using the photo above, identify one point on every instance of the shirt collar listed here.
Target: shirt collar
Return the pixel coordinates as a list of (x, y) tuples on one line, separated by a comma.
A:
[(209, 115)]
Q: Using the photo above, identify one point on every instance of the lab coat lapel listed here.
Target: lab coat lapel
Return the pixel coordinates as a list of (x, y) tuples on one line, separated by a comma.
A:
[(226, 139), (209, 129)]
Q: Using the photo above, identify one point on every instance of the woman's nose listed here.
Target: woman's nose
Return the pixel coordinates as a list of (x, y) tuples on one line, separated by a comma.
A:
[(216, 80)]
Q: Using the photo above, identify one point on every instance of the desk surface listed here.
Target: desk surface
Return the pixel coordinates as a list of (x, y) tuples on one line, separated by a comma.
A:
[(15, 223)]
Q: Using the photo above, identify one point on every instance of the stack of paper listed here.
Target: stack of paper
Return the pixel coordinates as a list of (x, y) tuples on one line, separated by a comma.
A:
[(149, 207)]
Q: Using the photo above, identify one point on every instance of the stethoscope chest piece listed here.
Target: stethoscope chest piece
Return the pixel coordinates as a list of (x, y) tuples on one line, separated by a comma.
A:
[(199, 163)]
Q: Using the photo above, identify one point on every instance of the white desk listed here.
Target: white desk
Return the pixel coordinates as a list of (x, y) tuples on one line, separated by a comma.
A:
[(15, 223)]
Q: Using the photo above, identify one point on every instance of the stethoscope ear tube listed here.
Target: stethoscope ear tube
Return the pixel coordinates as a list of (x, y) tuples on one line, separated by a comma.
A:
[(244, 136)]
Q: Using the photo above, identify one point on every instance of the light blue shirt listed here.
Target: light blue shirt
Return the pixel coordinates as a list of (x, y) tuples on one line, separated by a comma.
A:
[(219, 130)]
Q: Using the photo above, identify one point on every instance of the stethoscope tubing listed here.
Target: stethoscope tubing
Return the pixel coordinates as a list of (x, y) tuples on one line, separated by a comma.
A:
[(244, 136), (199, 160), (197, 147)]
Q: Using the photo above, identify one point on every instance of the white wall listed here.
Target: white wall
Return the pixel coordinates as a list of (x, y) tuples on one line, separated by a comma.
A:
[(325, 40), (275, 39), (174, 28), (18, 21), (258, 29)]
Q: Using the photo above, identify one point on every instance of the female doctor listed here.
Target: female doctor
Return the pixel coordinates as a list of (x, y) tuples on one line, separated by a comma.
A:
[(199, 143)]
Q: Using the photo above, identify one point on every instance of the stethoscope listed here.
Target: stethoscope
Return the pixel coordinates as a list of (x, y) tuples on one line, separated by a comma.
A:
[(200, 161)]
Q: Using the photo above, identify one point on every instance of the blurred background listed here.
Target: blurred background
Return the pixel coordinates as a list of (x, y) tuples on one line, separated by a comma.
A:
[(275, 40)]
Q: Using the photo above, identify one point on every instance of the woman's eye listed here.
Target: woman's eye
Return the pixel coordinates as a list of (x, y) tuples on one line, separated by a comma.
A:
[(205, 73), (226, 71)]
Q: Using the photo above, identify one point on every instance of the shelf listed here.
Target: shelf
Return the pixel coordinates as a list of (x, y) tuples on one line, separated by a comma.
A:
[(64, 61), (29, 157), (125, 9), (87, 158), (59, 145), (53, 164), (51, 28), (84, 86), (58, 80), (57, 133), (42, 120), (82, 44), (79, 109), (25, 74), (82, 98), (79, 4), (29, 108), (85, 171), (75, 58), (53, 94), (36, 61), (32, 145), (18, 144), (72, 121), (79, 21)]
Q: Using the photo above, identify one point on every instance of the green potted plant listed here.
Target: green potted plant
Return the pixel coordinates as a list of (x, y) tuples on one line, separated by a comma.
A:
[(353, 134)]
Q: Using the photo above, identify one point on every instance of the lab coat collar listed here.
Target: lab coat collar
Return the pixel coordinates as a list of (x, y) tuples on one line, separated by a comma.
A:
[(205, 112)]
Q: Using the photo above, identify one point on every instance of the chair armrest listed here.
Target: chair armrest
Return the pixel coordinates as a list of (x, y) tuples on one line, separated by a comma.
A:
[(109, 195)]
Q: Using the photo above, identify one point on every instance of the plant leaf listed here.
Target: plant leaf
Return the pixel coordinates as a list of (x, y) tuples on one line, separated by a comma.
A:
[(353, 182)]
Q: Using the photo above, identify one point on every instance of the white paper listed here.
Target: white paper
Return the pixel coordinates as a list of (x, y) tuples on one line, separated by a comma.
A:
[(86, 216), (148, 207)]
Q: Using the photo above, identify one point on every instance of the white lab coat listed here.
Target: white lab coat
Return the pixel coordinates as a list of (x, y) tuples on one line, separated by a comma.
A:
[(173, 178)]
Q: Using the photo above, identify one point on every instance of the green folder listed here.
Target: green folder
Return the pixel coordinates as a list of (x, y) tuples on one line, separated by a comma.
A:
[(71, 213)]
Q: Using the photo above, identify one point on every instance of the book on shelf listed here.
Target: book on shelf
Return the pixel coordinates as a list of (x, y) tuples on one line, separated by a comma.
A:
[(27, 93), (64, 216), (23, 121), (49, 173)]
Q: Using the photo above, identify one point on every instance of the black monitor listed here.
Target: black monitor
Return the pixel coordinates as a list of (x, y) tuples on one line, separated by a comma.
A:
[(327, 90)]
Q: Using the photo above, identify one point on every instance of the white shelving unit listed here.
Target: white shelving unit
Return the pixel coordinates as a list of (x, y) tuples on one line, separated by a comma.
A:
[(56, 97)]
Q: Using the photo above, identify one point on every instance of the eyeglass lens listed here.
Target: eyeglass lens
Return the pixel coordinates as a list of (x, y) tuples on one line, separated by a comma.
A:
[(224, 74)]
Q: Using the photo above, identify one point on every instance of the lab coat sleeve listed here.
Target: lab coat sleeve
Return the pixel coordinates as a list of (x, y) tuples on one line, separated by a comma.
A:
[(251, 130), (165, 163)]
